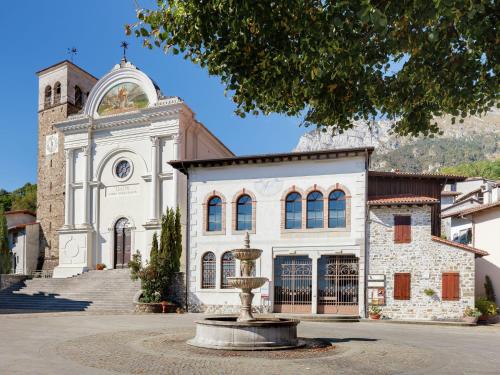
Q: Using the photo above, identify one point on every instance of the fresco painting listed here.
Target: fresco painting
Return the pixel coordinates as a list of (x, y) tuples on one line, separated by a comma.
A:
[(123, 97)]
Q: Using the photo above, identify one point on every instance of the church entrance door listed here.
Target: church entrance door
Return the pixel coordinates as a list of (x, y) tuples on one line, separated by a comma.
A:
[(122, 243)]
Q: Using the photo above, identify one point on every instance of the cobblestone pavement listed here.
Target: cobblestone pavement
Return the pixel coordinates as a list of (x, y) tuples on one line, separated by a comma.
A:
[(84, 343)]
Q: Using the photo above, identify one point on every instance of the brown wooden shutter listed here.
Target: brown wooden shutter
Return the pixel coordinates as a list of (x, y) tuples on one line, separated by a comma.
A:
[(402, 229), (451, 286), (402, 286)]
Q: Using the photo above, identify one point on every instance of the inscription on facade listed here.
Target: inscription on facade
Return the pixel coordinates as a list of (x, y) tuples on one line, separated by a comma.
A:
[(121, 190)]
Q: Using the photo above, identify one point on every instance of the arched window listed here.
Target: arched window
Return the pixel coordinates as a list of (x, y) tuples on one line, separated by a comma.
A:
[(336, 209), (208, 267), (315, 210), (78, 97), (57, 93), (228, 269), (48, 96), (244, 213), (293, 211), (214, 223)]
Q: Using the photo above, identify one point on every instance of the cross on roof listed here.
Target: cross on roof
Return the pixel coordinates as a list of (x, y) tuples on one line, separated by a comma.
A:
[(124, 45)]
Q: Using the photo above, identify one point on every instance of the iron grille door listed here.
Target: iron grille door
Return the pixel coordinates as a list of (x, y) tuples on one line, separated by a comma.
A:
[(338, 278), (293, 284)]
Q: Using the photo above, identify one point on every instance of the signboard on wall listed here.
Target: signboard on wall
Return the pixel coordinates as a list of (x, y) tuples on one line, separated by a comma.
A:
[(376, 289)]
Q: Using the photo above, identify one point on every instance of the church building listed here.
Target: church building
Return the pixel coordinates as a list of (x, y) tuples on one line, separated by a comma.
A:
[(115, 153)]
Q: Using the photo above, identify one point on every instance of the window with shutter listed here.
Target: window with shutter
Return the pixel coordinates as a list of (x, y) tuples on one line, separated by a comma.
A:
[(402, 229), (402, 286), (451, 286)]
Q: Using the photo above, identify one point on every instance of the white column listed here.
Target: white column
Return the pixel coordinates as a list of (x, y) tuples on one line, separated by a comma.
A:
[(68, 217), (314, 301), (175, 172), (86, 166), (153, 212)]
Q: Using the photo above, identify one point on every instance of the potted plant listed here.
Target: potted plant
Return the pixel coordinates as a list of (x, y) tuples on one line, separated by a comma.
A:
[(374, 312), (100, 266), (471, 315), (487, 308)]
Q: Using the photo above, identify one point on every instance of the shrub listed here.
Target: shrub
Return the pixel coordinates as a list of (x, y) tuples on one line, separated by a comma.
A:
[(486, 307), (156, 276), (474, 313), (374, 310)]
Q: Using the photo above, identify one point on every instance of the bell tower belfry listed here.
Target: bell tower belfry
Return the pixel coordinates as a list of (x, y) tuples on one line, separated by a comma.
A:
[(62, 91)]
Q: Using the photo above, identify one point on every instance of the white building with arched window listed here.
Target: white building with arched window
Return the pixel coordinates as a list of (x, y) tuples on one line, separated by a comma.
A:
[(118, 182)]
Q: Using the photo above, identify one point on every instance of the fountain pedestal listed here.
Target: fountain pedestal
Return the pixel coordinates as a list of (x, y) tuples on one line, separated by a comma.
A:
[(246, 332)]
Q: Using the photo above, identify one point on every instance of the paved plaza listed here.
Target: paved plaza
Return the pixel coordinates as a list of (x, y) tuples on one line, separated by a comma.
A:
[(92, 343)]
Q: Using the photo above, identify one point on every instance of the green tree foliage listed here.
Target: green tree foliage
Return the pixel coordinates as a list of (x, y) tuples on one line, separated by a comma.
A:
[(337, 61), (156, 276), (23, 198), (5, 259), (484, 168)]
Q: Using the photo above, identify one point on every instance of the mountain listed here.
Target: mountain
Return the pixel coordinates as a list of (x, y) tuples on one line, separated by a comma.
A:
[(477, 138)]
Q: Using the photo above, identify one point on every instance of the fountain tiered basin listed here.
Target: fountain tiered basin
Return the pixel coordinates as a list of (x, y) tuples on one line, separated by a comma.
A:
[(244, 332)]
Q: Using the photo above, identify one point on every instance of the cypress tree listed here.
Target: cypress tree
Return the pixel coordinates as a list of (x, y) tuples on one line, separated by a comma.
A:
[(488, 288), (154, 250), (5, 261)]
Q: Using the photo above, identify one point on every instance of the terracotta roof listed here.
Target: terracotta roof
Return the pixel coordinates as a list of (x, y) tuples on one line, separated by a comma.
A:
[(417, 175), (479, 253), (184, 165), (396, 200), (473, 210), (27, 212), (450, 193)]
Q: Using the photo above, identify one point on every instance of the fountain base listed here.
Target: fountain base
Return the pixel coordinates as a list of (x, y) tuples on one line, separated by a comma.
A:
[(226, 333)]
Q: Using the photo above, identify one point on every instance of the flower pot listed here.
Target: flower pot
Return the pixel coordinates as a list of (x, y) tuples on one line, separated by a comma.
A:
[(148, 307), (375, 316), (483, 318), (470, 319)]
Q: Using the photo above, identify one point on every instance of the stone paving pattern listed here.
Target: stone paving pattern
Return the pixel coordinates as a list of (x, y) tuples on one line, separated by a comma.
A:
[(99, 343)]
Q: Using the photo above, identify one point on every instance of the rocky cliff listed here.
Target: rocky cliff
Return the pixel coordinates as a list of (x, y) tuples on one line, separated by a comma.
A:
[(477, 138)]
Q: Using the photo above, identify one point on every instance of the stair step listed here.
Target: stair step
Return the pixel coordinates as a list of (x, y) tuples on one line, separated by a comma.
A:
[(94, 290)]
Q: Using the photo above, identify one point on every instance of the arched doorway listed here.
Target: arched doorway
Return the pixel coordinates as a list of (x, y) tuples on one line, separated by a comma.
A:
[(122, 243)]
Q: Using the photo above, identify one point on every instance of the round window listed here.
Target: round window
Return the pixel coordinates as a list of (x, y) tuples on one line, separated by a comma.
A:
[(122, 169)]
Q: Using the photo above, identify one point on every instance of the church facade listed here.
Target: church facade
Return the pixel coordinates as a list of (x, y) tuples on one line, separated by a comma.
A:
[(116, 181), (115, 153)]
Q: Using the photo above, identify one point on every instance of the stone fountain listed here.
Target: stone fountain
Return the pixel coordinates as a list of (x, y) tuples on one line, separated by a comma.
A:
[(244, 332)]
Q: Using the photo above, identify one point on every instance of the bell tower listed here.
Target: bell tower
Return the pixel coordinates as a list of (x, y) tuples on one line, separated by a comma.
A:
[(62, 91)]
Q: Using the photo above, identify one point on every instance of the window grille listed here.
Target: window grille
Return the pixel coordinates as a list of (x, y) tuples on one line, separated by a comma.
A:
[(228, 269), (208, 267)]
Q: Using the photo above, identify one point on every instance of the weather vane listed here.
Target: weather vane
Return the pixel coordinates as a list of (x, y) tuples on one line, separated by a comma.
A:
[(72, 53), (124, 45)]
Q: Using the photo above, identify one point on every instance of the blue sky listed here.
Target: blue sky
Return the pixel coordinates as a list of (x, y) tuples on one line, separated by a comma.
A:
[(37, 34)]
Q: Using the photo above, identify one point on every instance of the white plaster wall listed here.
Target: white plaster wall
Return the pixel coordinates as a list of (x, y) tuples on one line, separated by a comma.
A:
[(486, 236), (268, 182), (424, 259)]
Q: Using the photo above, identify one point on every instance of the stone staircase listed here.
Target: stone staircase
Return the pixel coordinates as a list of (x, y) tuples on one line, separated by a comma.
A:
[(109, 290)]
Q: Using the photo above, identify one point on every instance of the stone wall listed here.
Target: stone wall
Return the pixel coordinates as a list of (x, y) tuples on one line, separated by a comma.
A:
[(424, 259), (6, 281)]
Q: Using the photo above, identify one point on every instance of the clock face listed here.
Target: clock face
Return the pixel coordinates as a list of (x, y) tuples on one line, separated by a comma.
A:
[(122, 169)]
